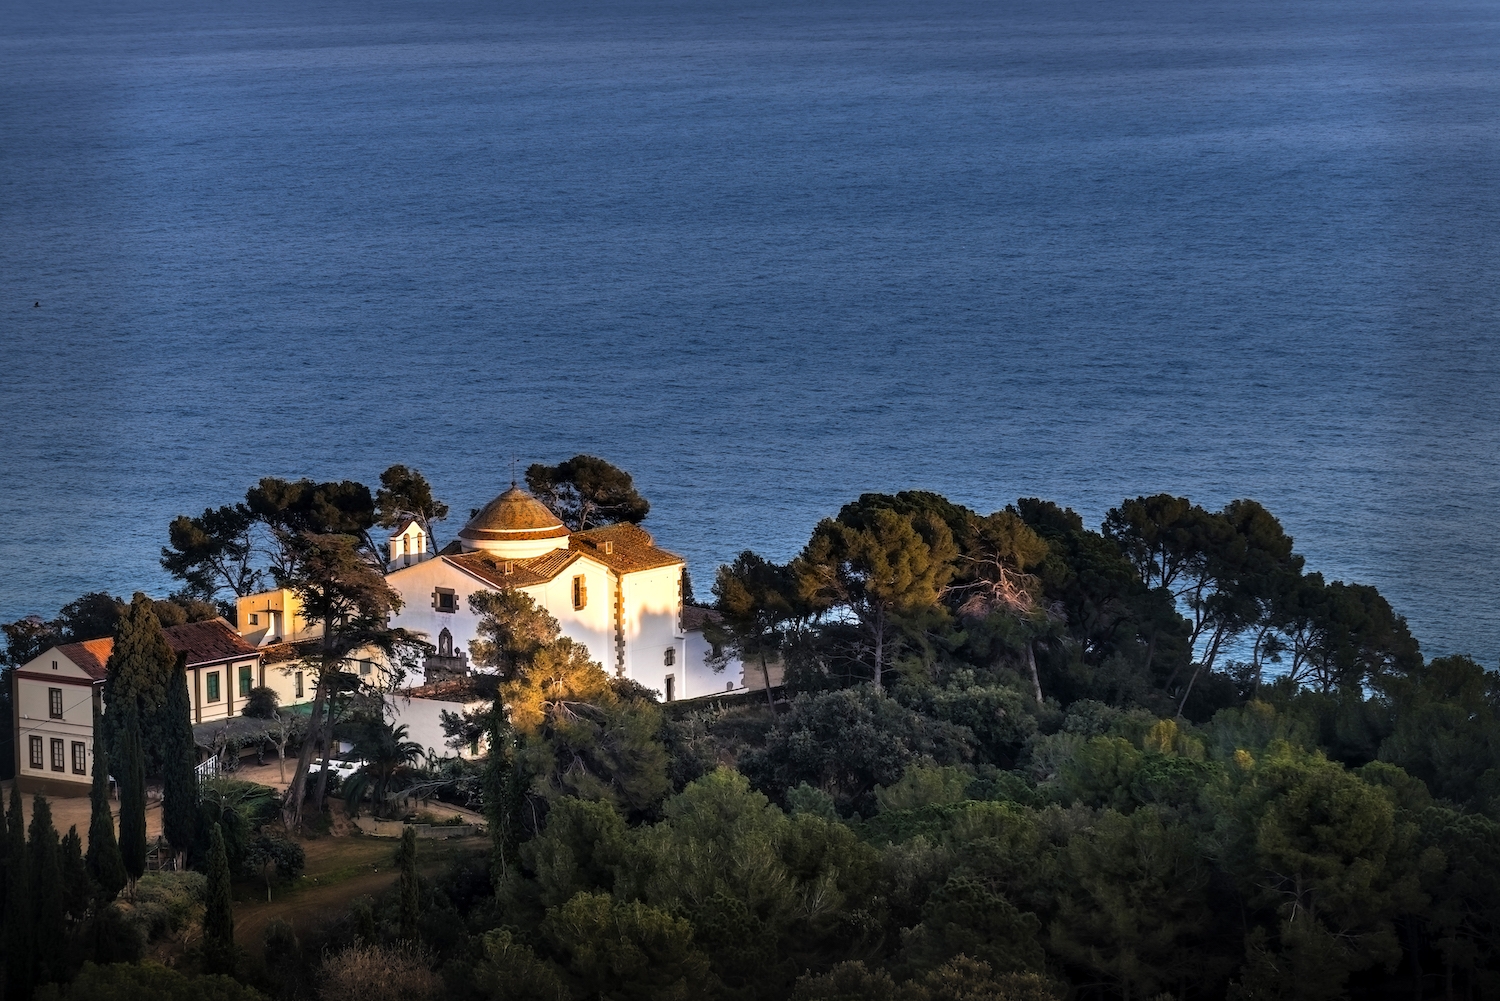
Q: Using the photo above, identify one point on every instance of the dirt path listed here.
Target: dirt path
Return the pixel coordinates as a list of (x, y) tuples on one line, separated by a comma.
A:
[(338, 870)]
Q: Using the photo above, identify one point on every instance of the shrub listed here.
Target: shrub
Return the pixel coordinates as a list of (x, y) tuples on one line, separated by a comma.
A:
[(146, 982), (261, 703), (368, 972), (165, 902)]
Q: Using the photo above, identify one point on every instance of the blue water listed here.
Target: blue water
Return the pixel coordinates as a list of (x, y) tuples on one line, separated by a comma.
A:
[(764, 255)]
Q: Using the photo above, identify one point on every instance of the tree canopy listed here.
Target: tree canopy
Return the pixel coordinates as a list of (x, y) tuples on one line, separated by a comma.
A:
[(586, 491)]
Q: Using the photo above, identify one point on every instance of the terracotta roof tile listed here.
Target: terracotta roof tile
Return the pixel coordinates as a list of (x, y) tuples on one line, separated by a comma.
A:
[(91, 655), (207, 642), (523, 572), (695, 616), (625, 547), (203, 642)]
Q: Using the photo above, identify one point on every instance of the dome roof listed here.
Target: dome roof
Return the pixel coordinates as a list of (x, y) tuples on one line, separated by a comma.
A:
[(513, 516)]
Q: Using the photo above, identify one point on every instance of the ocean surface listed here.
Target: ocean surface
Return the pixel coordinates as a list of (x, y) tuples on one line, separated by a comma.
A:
[(765, 256)]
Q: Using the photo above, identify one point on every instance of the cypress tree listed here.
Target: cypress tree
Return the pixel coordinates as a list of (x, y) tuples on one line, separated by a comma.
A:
[(15, 937), (406, 860), (49, 925), (4, 868), (218, 912), (105, 864), (179, 809), (133, 801), (138, 673), (78, 890)]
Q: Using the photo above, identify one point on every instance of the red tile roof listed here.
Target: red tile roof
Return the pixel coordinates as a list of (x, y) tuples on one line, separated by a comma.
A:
[(203, 642), (624, 547), (695, 616), (91, 655), (522, 572)]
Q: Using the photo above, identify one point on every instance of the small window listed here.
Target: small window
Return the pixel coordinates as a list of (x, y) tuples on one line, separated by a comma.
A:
[(671, 688), (80, 759), (213, 686), (365, 667), (445, 600), (54, 703), (728, 686), (54, 665), (670, 657), (298, 679), (57, 754), (254, 619), (580, 592), (36, 752), (247, 681)]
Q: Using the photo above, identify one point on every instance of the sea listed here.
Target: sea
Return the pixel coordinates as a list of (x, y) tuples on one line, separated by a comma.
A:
[(765, 255)]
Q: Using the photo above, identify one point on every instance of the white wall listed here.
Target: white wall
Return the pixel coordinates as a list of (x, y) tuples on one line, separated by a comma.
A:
[(593, 625), (423, 721), (699, 677), (653, 610), (33, 707)]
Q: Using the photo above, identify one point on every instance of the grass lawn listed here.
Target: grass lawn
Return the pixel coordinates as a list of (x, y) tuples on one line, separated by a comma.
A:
[(338, 870)]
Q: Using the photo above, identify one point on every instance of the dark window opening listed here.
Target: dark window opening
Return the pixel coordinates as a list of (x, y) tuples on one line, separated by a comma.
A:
[(54, 703), (80, 758), (671, 688), (36, 752), (57, 754), (580, 592)]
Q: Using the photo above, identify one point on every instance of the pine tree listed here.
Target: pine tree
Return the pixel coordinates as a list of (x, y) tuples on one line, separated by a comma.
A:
[(105, 864), (406, 861), (179, 808), (218, 913), (133, 801), (49, 926), (138, 673), (15, 936)]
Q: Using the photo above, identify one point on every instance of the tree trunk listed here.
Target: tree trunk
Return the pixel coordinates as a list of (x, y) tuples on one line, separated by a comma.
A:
[(1036, 680), (879, 643), (320, 791), (291, 809), (765, 672), (1188, 690), (1415, 944)]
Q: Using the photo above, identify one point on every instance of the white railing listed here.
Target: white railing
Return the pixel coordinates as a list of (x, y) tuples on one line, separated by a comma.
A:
[(208, 768)]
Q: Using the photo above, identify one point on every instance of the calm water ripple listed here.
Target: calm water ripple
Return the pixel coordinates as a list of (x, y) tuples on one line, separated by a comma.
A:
[(766, 256)]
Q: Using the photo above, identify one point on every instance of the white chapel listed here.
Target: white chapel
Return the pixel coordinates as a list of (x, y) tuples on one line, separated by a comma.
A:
[(611, 589)]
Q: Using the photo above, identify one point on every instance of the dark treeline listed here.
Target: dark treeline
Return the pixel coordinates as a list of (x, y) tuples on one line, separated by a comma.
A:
[(1011, 758)]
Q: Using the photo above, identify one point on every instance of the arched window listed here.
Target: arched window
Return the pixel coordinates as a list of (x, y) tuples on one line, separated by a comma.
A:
[(445, 644)]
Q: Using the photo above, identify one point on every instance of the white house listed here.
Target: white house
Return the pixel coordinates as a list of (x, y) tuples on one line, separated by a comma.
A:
[(710, 670), (611, 589), (56, 693)]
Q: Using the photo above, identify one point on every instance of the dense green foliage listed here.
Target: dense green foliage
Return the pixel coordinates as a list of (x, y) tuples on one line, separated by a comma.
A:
[(218, 909), (132, 783), (1014, 759), (137, 678), (179, 759)]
